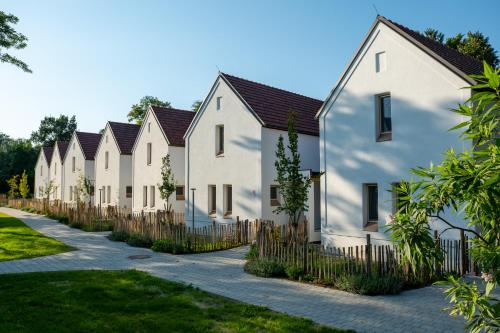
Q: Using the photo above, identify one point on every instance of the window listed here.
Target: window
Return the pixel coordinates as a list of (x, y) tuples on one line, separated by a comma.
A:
[(228, 200), (149, 153), (275, 195), (152, 199), (219, 103), (380, 62), (103, 191), (106, 139), (128, 191), (212, 202), (219, 138), (384, 120), (55, 168), (73, 146), (106, 160), (144, 196), (41, 170), (370, 206), (109, 194), (149, 127), (71, 193), (73, 164), (179, 192)]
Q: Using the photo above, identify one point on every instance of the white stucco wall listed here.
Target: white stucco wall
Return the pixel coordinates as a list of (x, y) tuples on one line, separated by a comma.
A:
[(422, 91), (240, 165), (56, 174), (42, 173), (82, 167), (150, 175)]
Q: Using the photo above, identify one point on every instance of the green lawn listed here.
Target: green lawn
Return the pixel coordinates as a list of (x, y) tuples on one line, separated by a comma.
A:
[(128, 301), (18, 241)]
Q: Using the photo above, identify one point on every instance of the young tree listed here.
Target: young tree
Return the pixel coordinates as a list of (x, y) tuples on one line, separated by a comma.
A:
[(467, 183), (54, 129), (13, 187), (293, 185), (85, 189), (138, 111), (10, 38), (168, 184), (24, 188)]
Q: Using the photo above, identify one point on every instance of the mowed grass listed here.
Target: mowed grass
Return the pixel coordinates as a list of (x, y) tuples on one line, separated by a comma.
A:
[(18, 241), (128, 301)]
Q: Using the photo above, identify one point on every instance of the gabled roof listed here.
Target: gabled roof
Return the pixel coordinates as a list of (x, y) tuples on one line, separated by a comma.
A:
[(48, 151), (460, 64), (174, 123), (272, 105), (89, 143), (125, 135), (62, 146)]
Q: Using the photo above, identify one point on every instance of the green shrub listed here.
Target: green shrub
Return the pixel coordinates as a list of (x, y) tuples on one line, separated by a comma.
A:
[(253, 253), (265, 268), (119, 236), (294, 272), (167, 246), (139, 241), (369, 285), (63, 219)]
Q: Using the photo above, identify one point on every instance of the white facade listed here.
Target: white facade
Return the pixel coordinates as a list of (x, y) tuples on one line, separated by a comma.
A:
[(57, 174), (42, 174), (421, 92), (247, 163), (147, 176), (113, 173), (75, 167)]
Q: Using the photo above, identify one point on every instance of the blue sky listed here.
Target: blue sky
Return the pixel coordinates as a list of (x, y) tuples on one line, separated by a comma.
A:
[(96, 58)]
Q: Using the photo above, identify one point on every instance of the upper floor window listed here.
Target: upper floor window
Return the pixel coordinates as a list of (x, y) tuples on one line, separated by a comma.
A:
[(73, 162), (41, 170), (149, 152), (55, 168), (380, 62), (73, 146), (106, 160), (219, 103), (219, 140), (383, 117), (149, 127), (106, 139)]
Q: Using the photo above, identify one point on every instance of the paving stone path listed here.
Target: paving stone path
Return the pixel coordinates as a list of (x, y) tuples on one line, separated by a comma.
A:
[(222, 273)]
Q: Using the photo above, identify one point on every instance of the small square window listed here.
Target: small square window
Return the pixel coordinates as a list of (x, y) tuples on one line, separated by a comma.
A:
[(128, 192), (274, 195), (383, 117), (219, 103), (179, 192)]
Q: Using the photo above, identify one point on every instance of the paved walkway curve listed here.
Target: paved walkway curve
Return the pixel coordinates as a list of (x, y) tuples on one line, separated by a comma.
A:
[(221, 273)]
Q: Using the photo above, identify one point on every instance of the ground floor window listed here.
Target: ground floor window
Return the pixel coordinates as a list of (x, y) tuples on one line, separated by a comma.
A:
[(109, 194), (128, 192), (370, 206), (212, 202), (274, 194), (144, 196), (179, 193), (152, 194), (228, 200), (71, 193)]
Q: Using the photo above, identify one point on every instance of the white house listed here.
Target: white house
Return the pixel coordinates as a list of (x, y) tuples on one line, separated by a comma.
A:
[(56, 169), (42, 172), (161, 133), (230, 151), (79, 163), (389, 112), (113, 165)]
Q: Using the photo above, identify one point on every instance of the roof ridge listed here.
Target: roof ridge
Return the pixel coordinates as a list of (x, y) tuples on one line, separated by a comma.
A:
[(272, 87), (169, 108)]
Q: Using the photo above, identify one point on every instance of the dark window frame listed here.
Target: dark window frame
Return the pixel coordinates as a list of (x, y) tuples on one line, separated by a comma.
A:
[(383, 124), (370, 207)]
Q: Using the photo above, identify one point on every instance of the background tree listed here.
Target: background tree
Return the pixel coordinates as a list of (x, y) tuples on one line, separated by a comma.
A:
[(24, 188), (138, 111), (10, 38), (13, 187), (54, 129), (474, 44), (16, 156), (168, 184), (293, 185), (467, 183), (196, 105)]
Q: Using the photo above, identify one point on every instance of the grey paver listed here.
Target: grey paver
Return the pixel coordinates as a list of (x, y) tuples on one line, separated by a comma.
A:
[(221, 272)]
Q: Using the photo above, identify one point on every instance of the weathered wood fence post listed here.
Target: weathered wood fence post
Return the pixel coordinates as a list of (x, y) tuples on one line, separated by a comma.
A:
[(368, 254)]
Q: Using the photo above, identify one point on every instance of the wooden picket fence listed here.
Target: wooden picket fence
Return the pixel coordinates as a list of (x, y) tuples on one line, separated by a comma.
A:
[(327, 263), (3, 200)]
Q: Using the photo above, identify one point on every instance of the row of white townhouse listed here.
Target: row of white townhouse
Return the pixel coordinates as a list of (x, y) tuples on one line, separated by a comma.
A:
[(387, 113)]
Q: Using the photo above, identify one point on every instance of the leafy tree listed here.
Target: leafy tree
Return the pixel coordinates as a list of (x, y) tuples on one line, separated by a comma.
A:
[(196, 105), (54, 129), (10, 38), (138, 111), (24, 188), (47, 190), (474, 44), (467, 183), (168, 184), (293, 185), (16, 156), (84, 189), (13, 187)]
